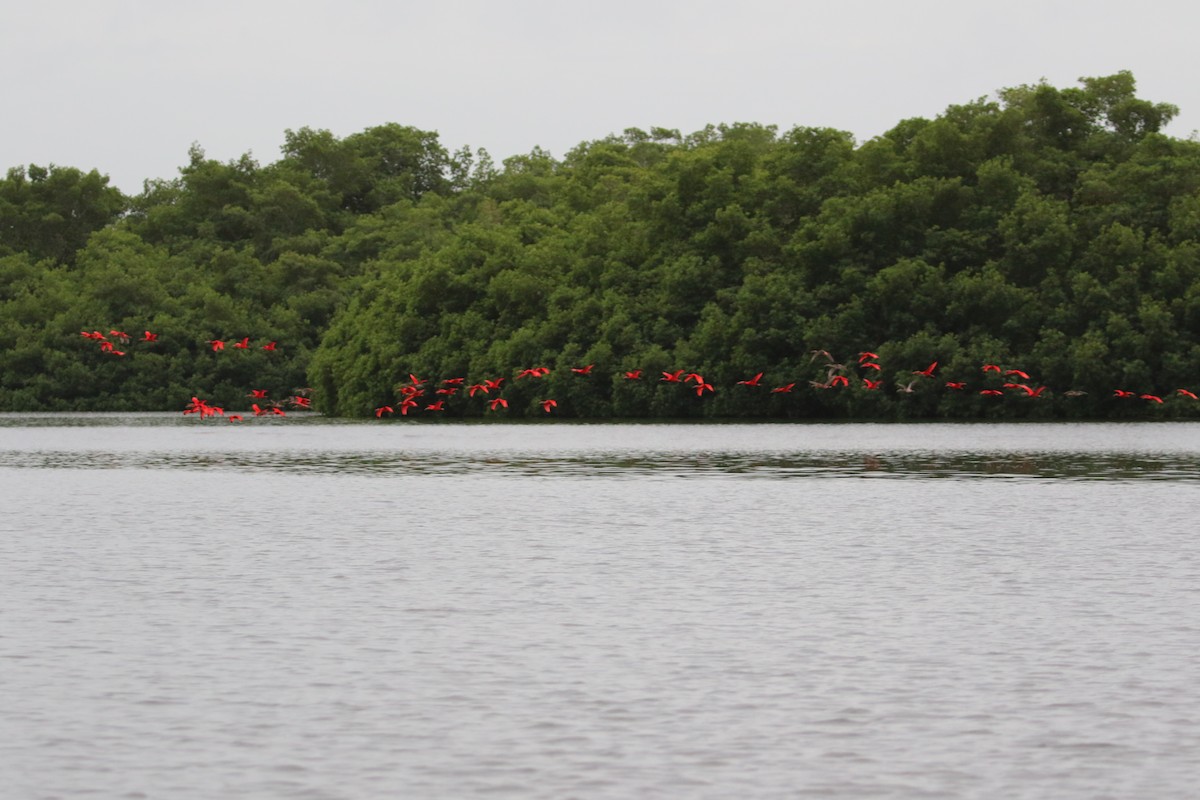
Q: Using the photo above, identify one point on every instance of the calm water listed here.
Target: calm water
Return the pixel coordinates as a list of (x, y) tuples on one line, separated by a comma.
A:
[(307, 609)]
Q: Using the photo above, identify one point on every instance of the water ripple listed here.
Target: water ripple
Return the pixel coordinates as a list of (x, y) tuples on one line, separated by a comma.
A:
[(1014, 466)]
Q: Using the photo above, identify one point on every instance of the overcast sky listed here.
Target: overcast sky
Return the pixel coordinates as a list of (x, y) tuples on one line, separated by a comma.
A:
[(126, 86)]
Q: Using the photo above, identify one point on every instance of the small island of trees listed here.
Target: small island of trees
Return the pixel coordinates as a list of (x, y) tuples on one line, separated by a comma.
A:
[(1050, 232)]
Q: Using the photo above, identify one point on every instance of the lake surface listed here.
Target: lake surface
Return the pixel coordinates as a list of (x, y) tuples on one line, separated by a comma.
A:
[(307, 608)]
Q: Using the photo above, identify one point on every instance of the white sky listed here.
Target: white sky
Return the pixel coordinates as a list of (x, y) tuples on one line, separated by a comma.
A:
[(126, 86)]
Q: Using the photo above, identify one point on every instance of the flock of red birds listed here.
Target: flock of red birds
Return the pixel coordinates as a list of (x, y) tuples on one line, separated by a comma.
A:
[(202, 408), (413, 395)]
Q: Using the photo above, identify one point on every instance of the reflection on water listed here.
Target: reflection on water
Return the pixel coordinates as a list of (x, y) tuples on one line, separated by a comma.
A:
[(323, 609), (309, 443), (884, 465)]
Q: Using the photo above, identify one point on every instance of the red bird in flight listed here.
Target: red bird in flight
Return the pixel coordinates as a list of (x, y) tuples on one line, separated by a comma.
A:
[(751, 381), (927, 372)]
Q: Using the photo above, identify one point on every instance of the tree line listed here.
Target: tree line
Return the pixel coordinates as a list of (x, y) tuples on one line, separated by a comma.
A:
[(1051, 230)]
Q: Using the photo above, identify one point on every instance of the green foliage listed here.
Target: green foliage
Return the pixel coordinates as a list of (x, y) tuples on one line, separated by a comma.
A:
[(1055, 231)]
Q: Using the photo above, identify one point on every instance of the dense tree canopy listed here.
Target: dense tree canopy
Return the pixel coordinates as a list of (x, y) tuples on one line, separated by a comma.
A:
[(1051, 231)]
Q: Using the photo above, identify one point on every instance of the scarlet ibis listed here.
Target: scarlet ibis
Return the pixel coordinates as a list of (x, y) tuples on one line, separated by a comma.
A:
[(454, 381), (1022, 375), (956, 385), (234, 418), (693, 376), (786, 388), (1028, 390), (991, 367), (671, 377), (1186, 393), (812, 355), (448, 392), (438, 406), (583, 370), (477, 387), (1151, 397), (244, 344), (277, 411), (872, 385), (703, 386), (270, 345), (96, 335), (633, 375), (258, 410), (379, 412), (499, 402), (216, 344), (871, 365), (547, 405), (839, 380), (865, 356), (196, 406), (751, 381), (927, 372), (298, 401), (992, 393), (121, 335), (257, 393), (1122, 393), (406, 404), (493, 383), (147, 336), (532, 372)]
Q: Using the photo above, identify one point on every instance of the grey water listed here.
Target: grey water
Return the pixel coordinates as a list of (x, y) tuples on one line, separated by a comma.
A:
[(306, 608)]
